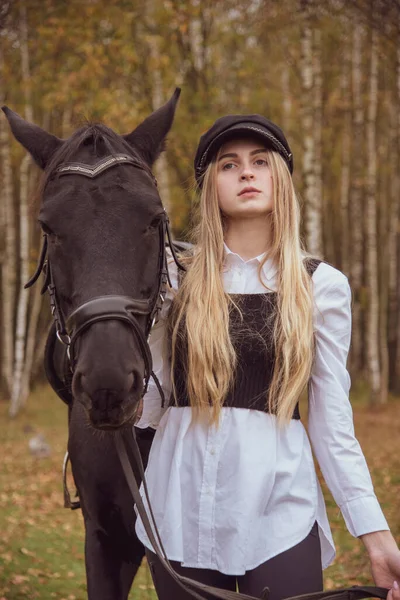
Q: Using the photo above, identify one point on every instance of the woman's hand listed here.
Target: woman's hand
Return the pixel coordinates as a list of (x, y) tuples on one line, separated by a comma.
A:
[(385, 561), (386, 572)]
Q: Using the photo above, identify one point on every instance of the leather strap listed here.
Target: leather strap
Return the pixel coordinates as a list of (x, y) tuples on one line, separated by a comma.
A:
[(194, 588)]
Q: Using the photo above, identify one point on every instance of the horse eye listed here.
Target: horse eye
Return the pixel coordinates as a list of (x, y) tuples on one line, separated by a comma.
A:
[(45, 228), (154, 224)]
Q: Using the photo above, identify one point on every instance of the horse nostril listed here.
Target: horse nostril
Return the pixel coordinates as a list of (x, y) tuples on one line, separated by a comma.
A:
[(79, 391), (136, 383), (131, 380)]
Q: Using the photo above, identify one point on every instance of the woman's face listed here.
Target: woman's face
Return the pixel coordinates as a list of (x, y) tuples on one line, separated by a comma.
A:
[(244, 182)]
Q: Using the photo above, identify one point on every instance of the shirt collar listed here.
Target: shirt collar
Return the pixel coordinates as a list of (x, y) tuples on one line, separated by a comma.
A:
[(268, 270)]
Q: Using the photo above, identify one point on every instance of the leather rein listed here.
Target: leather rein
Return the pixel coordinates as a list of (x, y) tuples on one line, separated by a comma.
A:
[(125, 308)]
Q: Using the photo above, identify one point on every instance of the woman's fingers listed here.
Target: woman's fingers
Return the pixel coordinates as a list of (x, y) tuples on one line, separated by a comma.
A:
[(394, 592)]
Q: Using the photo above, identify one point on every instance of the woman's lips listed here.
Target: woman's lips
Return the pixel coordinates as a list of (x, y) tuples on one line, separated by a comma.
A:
[(249, 192)]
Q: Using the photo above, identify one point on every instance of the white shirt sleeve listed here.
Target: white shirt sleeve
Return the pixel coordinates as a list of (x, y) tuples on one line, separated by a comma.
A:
[(152, 411), (330, 420)]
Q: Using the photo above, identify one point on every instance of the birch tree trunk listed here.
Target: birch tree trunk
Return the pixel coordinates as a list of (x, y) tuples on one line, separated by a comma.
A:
[(395, 271), (392, 157), (317, 129), (286, 96), (7, 260), (383, 300), (383, 280), (161, 166), (345, 159), (356, 213), (22, 310), (8, 256), (313, 229), (23, 297), (372, 326)]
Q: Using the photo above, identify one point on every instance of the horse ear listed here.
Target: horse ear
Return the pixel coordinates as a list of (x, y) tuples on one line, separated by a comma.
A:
[(40, 144), (149, 137)]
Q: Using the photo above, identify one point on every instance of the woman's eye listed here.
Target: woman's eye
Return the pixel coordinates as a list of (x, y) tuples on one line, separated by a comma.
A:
[(261, 161), (227, 166)]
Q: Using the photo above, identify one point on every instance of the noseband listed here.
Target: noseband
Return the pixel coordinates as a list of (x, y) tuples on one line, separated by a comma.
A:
[(111, 307)]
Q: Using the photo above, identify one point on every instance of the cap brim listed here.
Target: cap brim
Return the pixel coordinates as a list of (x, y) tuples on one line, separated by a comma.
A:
[(248, 130)]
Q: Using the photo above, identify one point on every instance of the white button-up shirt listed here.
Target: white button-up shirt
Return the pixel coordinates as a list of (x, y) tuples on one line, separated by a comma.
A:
[(231, 497)]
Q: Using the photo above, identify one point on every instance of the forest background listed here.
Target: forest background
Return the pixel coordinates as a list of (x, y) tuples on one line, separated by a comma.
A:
[(328, 72)]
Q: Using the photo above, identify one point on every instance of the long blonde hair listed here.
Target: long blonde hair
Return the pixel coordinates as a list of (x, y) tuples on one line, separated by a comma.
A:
[(199, 316)]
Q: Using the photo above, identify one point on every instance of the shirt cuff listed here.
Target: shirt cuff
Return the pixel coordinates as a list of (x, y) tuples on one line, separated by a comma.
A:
[(363, 515), (152, 411)]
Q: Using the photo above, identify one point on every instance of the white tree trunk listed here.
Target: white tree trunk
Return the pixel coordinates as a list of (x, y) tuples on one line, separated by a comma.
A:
[(161, 166), (8, 257), (22, 310), (23, 297), (393, 328), (286, 97), (395, 203), (317, 129), (66, 125), (372, 325), (356, 210), (8, 260), (345, 160), (384, 230), (313, 228)]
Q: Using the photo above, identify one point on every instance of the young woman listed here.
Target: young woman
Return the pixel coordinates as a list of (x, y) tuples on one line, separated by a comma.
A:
[(252, 322)]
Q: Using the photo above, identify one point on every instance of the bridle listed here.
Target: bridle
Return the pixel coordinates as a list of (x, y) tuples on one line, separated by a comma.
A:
[(127, 309), (110, 307)]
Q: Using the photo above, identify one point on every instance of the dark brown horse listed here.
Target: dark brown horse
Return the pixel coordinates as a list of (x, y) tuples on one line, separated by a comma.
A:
[(104, 227)]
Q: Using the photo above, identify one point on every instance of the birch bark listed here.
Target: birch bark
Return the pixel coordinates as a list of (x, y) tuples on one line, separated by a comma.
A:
[(286, 96), (319, 207), (372, 324), (22, 309), (8, 258), (23, 297), (356, 214), (8, 254), (312, 207), (393, 327), (157, 97), (345, 159), (396, 200)]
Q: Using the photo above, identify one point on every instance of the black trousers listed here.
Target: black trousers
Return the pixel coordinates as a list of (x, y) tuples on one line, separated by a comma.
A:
[(296, 571)]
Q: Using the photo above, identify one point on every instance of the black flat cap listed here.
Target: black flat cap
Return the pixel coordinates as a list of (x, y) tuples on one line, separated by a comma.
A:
[(234, 126)]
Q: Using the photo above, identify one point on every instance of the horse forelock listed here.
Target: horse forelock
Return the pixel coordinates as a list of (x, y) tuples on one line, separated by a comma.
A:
[(103, 141)]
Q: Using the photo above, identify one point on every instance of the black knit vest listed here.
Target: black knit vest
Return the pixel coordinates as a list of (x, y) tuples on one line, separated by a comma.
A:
[(252, 339)]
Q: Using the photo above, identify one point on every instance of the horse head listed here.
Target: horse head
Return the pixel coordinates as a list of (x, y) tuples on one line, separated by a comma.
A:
[(104, 228)]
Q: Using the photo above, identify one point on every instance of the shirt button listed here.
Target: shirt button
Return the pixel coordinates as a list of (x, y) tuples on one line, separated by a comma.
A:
[(212, 451)]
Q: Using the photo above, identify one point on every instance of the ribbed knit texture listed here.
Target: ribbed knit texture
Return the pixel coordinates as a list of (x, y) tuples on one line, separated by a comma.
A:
[(252, 338)]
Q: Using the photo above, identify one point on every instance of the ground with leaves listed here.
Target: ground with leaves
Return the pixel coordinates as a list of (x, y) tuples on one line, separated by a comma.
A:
[(41, 544)]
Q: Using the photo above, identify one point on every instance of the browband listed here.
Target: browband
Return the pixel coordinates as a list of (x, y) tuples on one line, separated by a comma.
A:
[(101, 165)]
